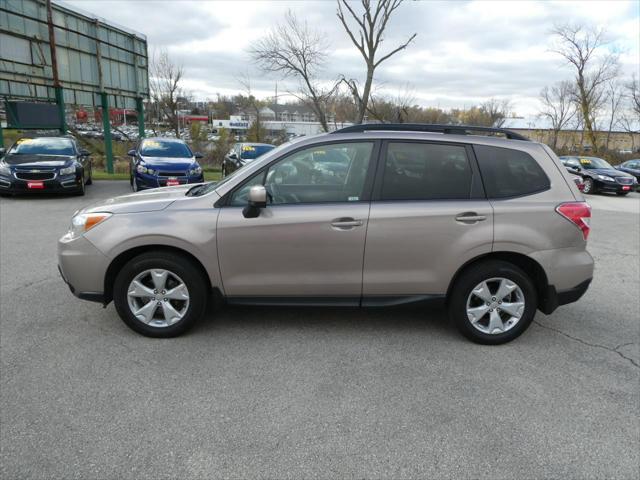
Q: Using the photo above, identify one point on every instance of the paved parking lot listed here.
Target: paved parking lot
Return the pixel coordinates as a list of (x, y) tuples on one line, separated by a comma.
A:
[(290, 393)]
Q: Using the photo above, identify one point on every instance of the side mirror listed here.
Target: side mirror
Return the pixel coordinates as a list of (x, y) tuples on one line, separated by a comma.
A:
[(233, 156), (84, 152), (198, 155), (257, 200), (131, 153)]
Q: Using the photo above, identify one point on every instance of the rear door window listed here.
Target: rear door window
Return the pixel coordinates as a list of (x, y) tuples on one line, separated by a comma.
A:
[(426, 171), (509, 173)]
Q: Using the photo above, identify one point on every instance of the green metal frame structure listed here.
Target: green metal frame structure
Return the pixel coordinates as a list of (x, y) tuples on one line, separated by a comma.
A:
[(51, 53)]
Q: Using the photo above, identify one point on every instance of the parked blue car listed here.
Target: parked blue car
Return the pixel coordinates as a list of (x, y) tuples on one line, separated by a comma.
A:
[(163, 162)]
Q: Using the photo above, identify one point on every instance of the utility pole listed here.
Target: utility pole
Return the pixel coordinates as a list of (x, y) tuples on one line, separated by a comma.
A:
[(54, 67)]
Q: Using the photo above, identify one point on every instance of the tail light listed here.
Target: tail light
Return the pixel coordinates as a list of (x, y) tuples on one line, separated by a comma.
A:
[(577, 213)]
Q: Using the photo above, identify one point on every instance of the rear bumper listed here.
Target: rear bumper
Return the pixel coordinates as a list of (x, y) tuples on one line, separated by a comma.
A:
[(553, 298)]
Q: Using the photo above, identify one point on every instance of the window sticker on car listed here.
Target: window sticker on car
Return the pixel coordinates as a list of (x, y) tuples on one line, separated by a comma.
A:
[(585, 161), (353, 199), (248, 148), (152, 144), (23, 140)]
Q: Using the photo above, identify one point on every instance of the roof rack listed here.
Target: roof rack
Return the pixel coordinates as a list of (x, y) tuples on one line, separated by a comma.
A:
[(426, 127)]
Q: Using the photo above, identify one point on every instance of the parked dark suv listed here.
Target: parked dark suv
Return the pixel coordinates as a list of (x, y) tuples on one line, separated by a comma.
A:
[(45, 164), (495, 227)]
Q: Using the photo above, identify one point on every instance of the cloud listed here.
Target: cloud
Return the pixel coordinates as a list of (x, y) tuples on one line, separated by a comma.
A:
[(465, 52)]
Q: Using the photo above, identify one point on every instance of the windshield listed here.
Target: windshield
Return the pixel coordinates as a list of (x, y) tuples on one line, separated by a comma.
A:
[(251, 152), (591, 163), (159, 148), (43, 146)]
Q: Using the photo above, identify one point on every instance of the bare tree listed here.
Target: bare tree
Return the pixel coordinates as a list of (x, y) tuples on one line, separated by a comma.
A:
[(629, 119), (633, 92), (165, 85), (256, 132), (492, 113), (368, 35), (294, 50), (613, 96), (395, 109), (558, 107), (580, 46)]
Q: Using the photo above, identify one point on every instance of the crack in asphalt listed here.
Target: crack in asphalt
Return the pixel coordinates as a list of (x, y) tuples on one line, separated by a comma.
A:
[(31, 284), (595, 345)]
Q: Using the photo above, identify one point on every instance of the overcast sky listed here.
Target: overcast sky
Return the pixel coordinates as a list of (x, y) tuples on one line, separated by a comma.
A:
[(465, 51)]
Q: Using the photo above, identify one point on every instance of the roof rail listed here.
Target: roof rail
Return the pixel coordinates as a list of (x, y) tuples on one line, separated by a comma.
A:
[(426, 127)]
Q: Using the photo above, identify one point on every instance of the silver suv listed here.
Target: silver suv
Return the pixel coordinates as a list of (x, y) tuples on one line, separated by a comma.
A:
[(371, 215)]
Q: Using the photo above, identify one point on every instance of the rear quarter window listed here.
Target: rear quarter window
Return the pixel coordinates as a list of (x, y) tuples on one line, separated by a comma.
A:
[(509, 173)]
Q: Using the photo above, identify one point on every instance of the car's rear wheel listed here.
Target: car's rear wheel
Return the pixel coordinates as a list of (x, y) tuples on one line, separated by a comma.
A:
[(160, 294), (589, 186), (493, 302)]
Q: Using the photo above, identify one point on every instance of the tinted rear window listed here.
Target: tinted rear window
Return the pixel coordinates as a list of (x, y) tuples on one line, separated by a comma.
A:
[(425, 171), (509, 173)]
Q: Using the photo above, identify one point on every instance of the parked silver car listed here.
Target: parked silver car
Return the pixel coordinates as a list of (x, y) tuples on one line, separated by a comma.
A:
[(493, 226)]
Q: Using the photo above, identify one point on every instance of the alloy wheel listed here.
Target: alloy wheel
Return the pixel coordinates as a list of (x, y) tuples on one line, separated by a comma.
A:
[(495, 305), (158, 298)]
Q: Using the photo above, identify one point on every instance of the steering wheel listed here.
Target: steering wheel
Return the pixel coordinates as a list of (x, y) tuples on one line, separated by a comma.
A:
[(276, 196)]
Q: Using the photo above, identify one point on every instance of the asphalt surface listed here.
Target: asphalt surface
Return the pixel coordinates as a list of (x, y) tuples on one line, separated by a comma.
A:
[(326, 393)]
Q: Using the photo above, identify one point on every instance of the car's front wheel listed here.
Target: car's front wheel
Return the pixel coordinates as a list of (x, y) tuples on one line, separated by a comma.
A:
[(160, 294), (493, 302), (589, 186)]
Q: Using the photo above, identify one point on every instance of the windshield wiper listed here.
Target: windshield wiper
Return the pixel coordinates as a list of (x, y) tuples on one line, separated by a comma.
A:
[(198, 189)]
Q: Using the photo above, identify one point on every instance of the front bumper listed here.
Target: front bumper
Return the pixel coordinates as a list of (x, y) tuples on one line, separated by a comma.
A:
[(82, 267), (145, 180), (59, 184), (615, 187)]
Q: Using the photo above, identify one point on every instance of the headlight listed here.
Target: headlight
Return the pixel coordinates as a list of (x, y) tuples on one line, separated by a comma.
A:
[(143, 169), (196, 171), (4, 169), (68, 170), (605, 178), (83, 222)]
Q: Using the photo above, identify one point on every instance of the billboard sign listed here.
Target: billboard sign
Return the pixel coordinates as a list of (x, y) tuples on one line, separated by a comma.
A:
[(93, 56)]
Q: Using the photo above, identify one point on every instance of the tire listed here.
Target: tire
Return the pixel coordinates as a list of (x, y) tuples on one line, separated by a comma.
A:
[(134, 184), (463, 296), (224, 170), (81, 191), (622, 194), (589, 186), (181, 270), (90, 179)]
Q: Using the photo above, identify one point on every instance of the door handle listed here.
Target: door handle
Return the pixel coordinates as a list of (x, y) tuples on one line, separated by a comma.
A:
[(345, 223), (470, 217)]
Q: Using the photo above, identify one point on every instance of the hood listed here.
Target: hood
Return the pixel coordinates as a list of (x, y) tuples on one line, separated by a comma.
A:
[(37, 160), (610, 172), (176, 164), (145, 201)]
